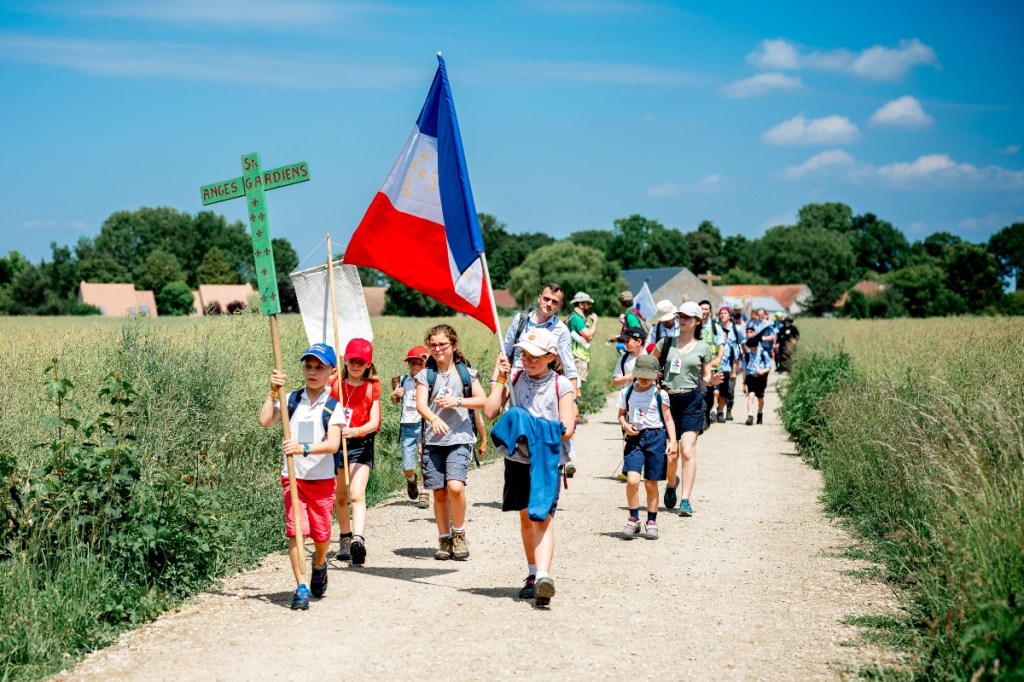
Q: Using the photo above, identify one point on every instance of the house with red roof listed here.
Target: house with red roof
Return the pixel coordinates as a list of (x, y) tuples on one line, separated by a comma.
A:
[(793, 298)]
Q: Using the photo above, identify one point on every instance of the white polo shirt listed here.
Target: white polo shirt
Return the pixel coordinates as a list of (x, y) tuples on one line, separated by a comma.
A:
[(307, 426)]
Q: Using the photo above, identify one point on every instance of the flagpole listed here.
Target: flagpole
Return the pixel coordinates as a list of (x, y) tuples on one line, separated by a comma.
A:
[(339, 359), (497, 322)]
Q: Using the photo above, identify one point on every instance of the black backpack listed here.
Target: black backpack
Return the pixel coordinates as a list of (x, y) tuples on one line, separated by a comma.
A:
[(467, 385)]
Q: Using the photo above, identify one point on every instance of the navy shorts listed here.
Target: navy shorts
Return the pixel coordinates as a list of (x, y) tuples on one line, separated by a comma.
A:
[(756, 385), (687, 411), (443, 463), (646, 452), (516, 495), (360, 451)]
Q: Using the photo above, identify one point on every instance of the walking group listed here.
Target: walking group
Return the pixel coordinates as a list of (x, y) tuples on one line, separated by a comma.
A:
[(671, 378)]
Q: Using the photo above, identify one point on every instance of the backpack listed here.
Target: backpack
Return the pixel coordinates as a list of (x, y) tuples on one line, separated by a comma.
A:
[(520, 326), (622, 363), (662, 358), (293, 402), (657, 394), (467, 385), (640, 317)]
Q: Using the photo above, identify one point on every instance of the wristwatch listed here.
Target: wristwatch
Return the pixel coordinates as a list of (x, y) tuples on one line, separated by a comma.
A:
[(458, 401), (305, 449)]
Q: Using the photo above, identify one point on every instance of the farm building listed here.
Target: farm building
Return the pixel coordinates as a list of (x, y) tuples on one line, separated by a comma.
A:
[(790, 298), (675, 284), (221, 298), (117, 300), (867, 287)]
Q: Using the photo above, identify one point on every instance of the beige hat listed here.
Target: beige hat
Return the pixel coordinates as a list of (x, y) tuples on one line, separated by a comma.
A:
[(626, 296), (664, 310), (581, 297), (538, 342), (691, 309)]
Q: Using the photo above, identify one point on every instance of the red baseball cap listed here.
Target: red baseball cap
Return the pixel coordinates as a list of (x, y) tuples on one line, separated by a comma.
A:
[(359, 348), (417, 353)]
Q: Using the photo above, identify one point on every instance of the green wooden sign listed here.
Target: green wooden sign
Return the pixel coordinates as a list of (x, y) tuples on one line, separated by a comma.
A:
[(252, 185)]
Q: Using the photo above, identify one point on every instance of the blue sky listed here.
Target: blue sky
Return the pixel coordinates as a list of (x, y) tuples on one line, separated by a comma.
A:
[(573, 112)]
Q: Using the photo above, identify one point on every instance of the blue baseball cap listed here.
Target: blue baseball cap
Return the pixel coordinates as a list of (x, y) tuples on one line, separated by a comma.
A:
[(321, 352)]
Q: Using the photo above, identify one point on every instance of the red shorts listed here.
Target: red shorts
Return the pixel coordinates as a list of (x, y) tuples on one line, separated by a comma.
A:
[(316, 502)]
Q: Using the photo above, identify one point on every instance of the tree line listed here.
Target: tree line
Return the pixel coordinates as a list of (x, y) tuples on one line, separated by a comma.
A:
[(829, 248)]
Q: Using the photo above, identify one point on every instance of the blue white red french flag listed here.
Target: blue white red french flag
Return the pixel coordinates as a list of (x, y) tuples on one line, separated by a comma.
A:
[(421, 227)]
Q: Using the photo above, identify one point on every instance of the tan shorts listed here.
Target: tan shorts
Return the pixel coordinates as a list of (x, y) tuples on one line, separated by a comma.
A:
[(583, 368)]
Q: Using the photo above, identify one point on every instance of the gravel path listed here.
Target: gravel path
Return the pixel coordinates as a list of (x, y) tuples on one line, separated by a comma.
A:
[(749, 588)]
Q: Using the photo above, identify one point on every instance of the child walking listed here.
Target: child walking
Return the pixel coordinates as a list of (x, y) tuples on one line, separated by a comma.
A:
[(548, 396), (757, 363), (650, 436), (359, 394), (316, 427), (411, 426), (448, 438)]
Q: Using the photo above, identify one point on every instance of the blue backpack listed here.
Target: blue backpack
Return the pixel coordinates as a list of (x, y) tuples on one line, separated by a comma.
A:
[(657, 394), (467, 385), (293, 402)]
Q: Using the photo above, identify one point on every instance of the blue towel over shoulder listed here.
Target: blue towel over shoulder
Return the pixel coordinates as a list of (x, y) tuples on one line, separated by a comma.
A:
[(544, 442)]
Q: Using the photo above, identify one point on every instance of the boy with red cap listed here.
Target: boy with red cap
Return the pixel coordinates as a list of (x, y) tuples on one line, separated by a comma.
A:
[(411, 424)]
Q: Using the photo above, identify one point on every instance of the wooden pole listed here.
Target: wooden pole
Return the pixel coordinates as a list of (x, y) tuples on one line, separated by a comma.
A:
[(293, 488), (497, 323), (340, 359)]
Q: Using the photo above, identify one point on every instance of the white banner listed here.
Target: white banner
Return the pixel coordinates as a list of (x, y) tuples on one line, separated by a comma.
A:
[(313, 293)]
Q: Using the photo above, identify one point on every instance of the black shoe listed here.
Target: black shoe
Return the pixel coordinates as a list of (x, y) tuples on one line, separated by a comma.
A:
[(670, 496), (411, 489), (750, 420), (760, 418), (707, 422), (728, 415), (529, 590), (358, 550)]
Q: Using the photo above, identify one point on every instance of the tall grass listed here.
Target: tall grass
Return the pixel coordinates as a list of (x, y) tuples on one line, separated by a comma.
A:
[(174, 482), (917, 427)]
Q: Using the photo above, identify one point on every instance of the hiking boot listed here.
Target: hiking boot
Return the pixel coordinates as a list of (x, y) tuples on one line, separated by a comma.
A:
[(728, 415), (319, 581), (545, 590), (411, 489), (344, 549), (750, 420), (570, 469), (670, 496), (424, 501), (760, 418), (529, 588), (444, 548), (300, 597), (684, 508), (632, 527), (460, 548), (358, 550), (651, 530)]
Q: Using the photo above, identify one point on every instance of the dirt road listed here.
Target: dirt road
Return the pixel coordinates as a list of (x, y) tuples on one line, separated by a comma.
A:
[(749, 588)]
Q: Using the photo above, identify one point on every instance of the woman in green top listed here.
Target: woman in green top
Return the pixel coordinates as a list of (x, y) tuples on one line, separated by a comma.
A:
[(687, 366)]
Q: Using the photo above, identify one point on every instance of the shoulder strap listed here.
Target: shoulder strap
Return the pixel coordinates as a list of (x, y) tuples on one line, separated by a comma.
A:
[(402, 379), (663, 350), (622, 363), (293, 401), (629, 392), (467, 381), (431, 378), (328, 410), (521, 326)]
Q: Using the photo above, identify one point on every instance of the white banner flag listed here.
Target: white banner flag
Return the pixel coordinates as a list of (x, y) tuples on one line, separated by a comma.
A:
[(313, 293), (644, 302)]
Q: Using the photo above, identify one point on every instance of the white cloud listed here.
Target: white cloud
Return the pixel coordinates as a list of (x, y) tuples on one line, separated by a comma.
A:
[(905, 112), (929, 166), (1010, 149), (711, 183), (39, 225), (780, 219), (939, 170), (801, 130), (875, 63), (761, 84), (832, 158), (669, 189)]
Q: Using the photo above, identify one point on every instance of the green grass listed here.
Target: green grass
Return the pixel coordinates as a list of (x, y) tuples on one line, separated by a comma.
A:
[(917, 427)]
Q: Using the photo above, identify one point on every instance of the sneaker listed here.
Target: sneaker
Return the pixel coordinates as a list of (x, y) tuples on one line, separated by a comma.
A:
[(707, 422), (570, 469), (358, 550), (444, 548), (300, 597), (760, 418), (411, 489), (651, 530), (424, 501), (670, 495), (750, 420), (545, 590), (728, 415), (344, 549), (529, 588), (460, 548), (684, 508), (632, 527), (721, 417), (319, 581)]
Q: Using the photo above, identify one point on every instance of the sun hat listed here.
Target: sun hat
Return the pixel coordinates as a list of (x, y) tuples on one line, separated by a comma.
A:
[(632, 333), (664, 310), (538, 342), (581, 297), (691, 309), (321, 352), (646, 367), (416, 353), (787, 318), (626, 296), (359, 348)]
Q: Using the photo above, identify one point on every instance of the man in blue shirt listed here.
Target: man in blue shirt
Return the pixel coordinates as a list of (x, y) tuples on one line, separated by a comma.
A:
[(756, 363)]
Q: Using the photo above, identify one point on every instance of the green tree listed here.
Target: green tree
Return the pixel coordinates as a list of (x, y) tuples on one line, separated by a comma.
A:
[(918, 287), (11, 266), (574, 268), (740, 276), (504, 250), (856, 305), (215, 268), (1007, 245), (834, 216), (877, 245), (159, 269), (638, 242), (174, 299), (28, 290), (705, 249), (935, 244), (818, 257), (595, 239), (101, 270), (739, 252), (972, 273), (62, 273), (406, 302)]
